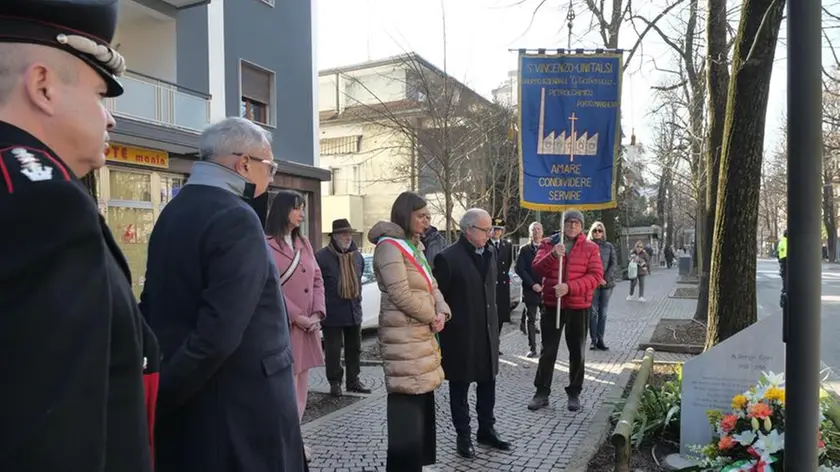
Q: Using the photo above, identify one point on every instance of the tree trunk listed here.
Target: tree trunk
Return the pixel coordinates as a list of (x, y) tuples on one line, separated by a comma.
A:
[(717, 72), (669, 212), (732, 297), (829, 217)]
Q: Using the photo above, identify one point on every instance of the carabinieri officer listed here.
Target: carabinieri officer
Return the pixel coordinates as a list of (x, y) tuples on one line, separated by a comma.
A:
[(72, 340)]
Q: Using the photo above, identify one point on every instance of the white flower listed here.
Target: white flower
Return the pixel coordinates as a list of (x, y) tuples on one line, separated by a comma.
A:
[(768, 444), (746, 438), (773, 380)]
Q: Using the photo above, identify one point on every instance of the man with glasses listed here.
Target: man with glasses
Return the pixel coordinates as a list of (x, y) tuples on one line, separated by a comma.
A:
[(582, 273), (466, 275), (213, 297)]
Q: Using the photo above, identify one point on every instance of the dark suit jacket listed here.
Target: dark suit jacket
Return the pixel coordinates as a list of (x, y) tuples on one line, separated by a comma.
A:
[(71, 336), (470, 340), (525, 271), (504, 260), (212, 295)]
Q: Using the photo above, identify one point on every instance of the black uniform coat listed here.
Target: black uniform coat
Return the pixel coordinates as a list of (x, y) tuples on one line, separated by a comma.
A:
[(504, 260), (71, 336), (470, 340), (525, 271), (212, 295)]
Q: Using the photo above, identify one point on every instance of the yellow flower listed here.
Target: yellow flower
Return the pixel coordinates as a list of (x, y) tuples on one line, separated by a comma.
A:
[(739, 402), (775, 394)]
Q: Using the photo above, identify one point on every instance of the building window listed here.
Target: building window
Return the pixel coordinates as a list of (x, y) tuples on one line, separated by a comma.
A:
[(257, 97), (342, 145), (131, 217), (346, 180)]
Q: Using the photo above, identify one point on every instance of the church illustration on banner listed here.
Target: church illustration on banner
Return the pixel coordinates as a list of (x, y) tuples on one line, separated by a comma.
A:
[(570, 145)]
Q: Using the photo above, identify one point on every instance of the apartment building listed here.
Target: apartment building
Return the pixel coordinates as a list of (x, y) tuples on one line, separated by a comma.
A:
[(365, 110), (191, 63)]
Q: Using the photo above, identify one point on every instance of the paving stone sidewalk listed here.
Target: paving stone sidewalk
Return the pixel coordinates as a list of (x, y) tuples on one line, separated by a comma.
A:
[(355, 438)]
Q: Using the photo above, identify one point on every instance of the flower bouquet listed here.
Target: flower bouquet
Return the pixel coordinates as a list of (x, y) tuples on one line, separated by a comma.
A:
[(751, 437)]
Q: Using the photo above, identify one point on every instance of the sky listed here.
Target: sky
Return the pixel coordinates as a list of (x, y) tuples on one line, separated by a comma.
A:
[(478, 35)]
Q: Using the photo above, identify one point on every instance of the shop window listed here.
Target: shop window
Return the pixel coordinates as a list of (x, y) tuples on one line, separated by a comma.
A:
[(257, 93), (170, 185), (131, 217), (131, 186)]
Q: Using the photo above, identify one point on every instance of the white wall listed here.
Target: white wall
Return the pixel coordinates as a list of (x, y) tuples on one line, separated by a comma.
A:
[(149, 46)]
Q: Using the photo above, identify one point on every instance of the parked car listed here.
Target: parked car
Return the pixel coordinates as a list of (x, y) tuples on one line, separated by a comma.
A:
[(371, 296), (515, 289)]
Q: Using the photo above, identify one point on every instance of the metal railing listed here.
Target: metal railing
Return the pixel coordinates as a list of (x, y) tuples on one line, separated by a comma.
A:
[(160, 102)]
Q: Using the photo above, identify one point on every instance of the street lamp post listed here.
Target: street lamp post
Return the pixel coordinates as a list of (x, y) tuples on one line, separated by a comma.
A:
[(802, 334)]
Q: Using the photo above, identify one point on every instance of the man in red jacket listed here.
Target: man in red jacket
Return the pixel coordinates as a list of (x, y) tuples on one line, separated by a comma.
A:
[(582, 271)]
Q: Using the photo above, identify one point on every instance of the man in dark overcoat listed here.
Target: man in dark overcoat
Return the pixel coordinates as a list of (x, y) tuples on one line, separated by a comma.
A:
[(466, 274), (227, 401), (504, 260), (71, 336), (341, 267), (531, 286)]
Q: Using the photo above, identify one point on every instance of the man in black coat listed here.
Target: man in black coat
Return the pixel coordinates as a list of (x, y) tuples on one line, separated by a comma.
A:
[(466, 275), (212, 295), (531, 285), (341, 267), (504, 260), (71, 336)]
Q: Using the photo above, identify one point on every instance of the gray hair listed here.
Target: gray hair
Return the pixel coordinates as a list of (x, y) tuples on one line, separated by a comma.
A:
[(471, 217), (229, 136), (531, 229)]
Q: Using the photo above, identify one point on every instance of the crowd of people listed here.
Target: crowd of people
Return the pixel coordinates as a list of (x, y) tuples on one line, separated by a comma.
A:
[(209, 371)]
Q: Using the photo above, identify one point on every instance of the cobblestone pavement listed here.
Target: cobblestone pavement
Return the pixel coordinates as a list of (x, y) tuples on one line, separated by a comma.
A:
[(355, 438)]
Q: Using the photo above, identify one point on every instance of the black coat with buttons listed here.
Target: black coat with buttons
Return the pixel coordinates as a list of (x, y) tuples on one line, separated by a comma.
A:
[(470, 340), (504, 260)]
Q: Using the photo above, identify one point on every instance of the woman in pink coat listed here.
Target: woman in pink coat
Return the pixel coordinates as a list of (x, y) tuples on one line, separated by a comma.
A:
[(302, 285)]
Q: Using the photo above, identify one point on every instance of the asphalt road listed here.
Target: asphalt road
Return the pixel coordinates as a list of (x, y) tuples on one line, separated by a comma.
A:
[(768, 288)]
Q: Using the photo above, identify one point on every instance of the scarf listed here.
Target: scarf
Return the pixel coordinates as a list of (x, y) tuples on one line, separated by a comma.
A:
[(348, 281)]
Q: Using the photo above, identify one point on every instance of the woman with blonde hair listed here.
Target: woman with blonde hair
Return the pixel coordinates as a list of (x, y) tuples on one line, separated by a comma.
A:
[(601, 297), (411, 313)]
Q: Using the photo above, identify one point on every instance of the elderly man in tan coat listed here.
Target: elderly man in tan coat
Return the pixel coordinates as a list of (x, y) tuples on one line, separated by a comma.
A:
[(412, 311)]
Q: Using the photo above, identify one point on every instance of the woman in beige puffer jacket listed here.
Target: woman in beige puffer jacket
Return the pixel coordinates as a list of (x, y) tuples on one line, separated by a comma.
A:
[(412, 310)]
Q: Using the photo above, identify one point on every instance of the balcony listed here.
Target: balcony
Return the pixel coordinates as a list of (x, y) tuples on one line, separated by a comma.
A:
[(334, 207), (162, 103)]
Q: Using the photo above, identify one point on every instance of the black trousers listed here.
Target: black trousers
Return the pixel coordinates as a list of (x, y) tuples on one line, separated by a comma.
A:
[(412, 437), (783, 273), (334, 338), (485, 403), (576, 323), (529, 321)]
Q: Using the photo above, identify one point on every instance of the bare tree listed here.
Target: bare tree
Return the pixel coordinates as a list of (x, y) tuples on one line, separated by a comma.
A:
[(732, 299), (443, 130)]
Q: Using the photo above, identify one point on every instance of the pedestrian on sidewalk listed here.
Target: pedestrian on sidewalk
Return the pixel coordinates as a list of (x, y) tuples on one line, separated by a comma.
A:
[(467, 272), (412, 311), (341, 267), (213, 297), (641, 259), (601, 297), (669, 256), (531, 285), (582, 272), (303, 287)]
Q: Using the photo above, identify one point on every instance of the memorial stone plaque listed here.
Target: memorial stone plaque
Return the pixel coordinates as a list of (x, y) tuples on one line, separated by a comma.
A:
[(711, 379)]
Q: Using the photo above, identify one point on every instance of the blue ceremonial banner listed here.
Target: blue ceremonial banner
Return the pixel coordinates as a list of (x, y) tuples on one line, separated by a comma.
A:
[(569, 138)]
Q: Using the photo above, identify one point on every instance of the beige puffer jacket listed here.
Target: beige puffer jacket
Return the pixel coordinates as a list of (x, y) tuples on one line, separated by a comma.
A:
[(409, 349)]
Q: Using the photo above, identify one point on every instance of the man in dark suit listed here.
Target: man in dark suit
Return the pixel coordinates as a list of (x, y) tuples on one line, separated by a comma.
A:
[(71, 336), (212, 295), (531, 285), (466, 275), (504, 260)]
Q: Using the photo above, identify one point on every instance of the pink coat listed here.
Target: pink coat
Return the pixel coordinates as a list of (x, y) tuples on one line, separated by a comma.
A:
[(304, 293)]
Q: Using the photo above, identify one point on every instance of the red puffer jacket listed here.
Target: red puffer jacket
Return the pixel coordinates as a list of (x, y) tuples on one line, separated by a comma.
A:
[(582, 271)]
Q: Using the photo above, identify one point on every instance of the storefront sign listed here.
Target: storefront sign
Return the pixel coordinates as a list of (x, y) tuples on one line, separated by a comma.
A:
[(138, 156)]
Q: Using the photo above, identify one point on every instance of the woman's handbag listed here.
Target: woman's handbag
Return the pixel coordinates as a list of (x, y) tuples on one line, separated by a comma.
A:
[(632, 270)]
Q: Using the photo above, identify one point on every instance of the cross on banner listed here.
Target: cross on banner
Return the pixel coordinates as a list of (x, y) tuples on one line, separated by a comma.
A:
[(572, 120)]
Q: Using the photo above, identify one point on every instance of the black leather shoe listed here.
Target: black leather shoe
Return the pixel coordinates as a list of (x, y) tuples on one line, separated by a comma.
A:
[(601, 346), (465, 447), (357, 387), (492, 439), (335, 390), (574, 403), (538, 402)]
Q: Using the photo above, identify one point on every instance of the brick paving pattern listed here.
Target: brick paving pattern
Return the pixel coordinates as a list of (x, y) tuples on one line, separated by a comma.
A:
[(355, 438)]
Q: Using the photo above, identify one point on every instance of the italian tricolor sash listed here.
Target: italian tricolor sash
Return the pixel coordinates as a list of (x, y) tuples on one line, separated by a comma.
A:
[(418, 259)]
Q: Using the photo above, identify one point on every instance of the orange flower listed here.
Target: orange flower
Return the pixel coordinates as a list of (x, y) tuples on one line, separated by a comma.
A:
[(727, 423), (760, 411), (726, 442)]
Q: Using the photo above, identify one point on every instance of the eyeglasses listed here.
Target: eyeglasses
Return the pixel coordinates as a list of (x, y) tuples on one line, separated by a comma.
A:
[(597, 230), (272, 166), (485, 230)]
